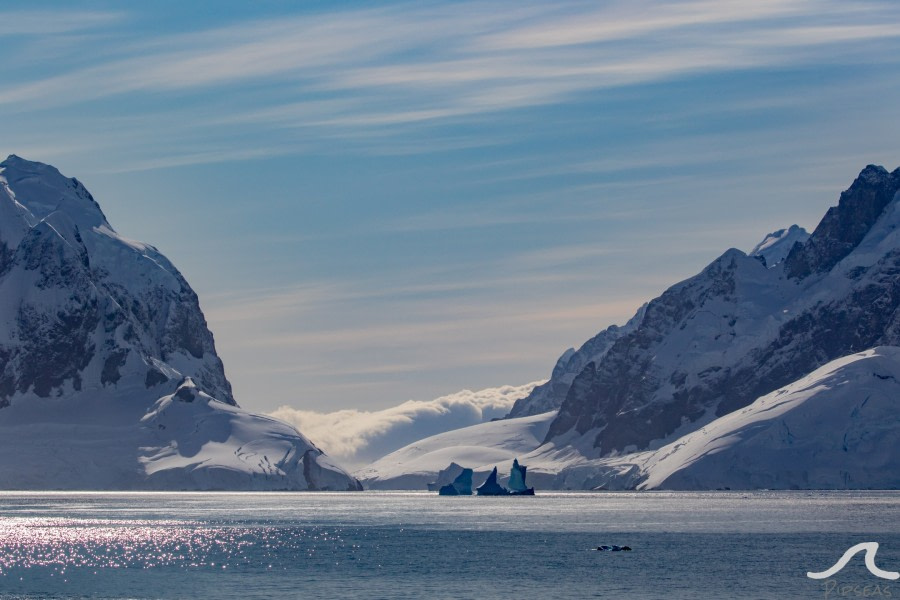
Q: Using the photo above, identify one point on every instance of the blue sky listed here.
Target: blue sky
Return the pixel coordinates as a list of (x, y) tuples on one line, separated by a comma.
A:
[(385, 203)]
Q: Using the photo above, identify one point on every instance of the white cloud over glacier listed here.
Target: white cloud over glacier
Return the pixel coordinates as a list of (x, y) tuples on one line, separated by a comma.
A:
[(358, 437)]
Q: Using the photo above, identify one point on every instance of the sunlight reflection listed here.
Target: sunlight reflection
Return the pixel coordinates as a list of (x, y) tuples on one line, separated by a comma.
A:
[(95, 543)]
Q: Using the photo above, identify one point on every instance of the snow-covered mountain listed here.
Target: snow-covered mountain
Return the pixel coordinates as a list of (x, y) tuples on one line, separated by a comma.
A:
[(741, 328), (549, 396), (835, 428), (773, 249), (109, 376), (764, 370)]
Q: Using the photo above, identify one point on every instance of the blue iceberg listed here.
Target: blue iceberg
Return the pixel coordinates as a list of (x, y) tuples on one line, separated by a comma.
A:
[(461, 486), (517, 485), (445, 477), (490, 487)]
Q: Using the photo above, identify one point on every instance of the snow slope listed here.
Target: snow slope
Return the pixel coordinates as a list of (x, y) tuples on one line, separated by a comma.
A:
[(714, 343), (109, 377), (479, 447), (835, 428), (358, 437), (775, 247)]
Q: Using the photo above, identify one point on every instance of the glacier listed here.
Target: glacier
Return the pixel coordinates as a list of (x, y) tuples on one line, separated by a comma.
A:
[(832, 429), (479, 447)]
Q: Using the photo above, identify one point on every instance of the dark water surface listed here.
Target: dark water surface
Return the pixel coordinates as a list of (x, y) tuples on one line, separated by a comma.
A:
[(419, 545)]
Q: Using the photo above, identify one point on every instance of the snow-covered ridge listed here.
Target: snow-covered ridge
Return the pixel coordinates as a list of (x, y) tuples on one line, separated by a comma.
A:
[(658, 403), (835, 428), (772, 249), (775, 247), (98, 332), (739, 329)]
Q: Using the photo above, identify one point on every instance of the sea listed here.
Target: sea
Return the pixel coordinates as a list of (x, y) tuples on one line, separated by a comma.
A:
[(420, 545)]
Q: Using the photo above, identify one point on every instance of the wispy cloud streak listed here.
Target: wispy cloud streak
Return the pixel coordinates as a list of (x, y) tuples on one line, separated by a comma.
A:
[(412, 65), (52, 22)]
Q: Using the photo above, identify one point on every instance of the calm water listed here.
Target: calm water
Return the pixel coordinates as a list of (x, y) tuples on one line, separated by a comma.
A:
[(418, 545)]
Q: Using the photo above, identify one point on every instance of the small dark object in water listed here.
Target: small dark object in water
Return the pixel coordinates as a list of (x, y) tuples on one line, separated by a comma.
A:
[(613, 548)]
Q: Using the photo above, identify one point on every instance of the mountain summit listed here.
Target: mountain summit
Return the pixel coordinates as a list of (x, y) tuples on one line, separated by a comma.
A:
[(85, 307), (775, 369), (109, 376), (741, 328)]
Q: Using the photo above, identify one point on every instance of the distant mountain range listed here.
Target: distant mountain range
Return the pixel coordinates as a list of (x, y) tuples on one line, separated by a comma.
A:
[(776, 369), (109, 377), (798, 306)]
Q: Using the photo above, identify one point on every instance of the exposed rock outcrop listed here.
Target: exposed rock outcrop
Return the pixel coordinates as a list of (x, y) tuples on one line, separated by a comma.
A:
[(102, 336), (716, 342)]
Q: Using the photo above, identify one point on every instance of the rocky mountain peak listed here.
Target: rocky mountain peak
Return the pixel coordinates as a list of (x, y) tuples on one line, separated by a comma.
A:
[(42, 190), (774, 248), (713, 343), (86, 307), (844, 226), (109, 376)]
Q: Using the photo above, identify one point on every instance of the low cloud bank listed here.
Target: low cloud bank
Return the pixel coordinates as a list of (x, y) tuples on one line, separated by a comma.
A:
[(357, 437)]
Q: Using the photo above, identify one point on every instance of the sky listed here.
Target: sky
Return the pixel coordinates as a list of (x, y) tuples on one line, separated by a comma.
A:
[(387, 202)]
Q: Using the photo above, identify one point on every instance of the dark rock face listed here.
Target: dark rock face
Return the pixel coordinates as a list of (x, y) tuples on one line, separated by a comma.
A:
[(54, 350), (550, 395), (845, 225), (6, 258), (111, 366), (617, 393), (54, 346), (868, 316), (83, 296), (154, 378), (716, 342), (186, 327)]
